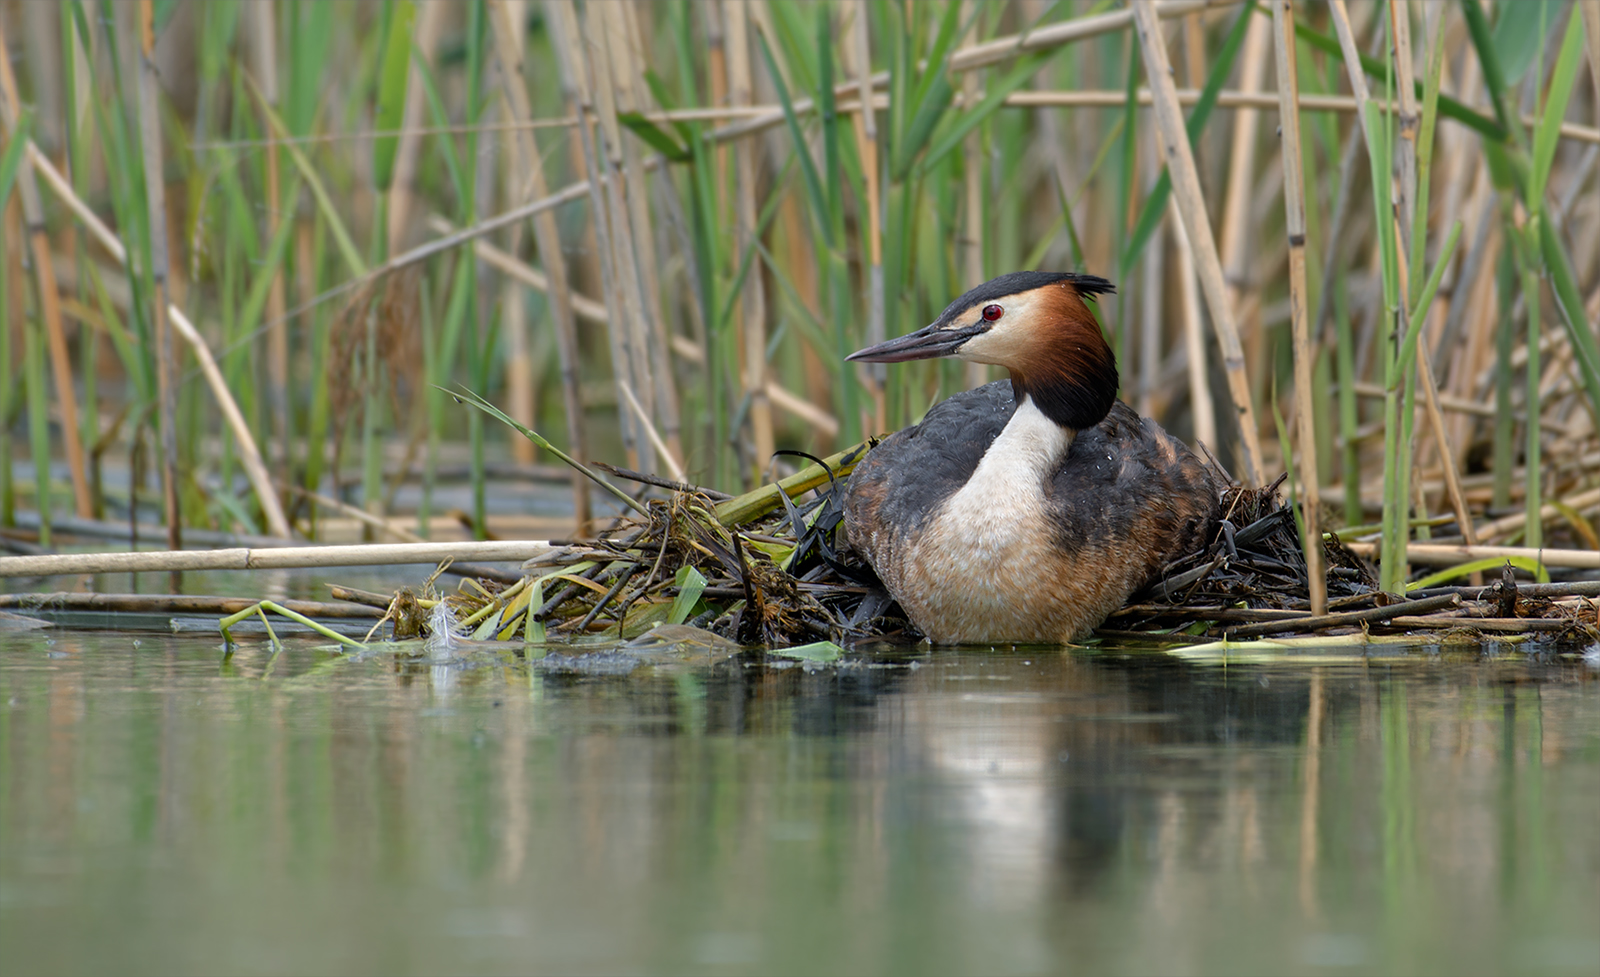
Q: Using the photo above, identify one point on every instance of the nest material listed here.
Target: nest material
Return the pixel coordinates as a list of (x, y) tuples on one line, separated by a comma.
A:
[(774, 578), (787, 577)]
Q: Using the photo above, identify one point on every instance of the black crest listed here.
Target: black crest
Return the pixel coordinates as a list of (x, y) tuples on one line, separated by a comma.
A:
[(1087, 286)]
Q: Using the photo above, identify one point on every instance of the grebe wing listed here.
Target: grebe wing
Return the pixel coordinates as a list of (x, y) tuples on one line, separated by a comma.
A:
[(1128, 485), (904, 480)]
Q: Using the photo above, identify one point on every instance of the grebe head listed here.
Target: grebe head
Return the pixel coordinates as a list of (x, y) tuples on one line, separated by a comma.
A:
[(1036, 325)]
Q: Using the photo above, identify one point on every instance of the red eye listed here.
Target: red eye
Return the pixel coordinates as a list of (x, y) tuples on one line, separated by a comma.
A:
[(992, 312)]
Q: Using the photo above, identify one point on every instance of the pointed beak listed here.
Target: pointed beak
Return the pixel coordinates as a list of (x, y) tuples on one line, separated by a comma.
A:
[(924, 344)]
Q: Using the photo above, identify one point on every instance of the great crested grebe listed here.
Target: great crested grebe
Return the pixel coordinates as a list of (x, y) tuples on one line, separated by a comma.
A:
[(1028, 510)]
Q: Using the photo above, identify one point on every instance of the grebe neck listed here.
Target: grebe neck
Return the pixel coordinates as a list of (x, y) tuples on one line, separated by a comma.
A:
[(1018, 463)]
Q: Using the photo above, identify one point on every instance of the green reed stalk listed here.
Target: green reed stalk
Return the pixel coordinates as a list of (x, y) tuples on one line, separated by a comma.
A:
[(1504, 451), (827, 222), (38, 422), (1349, 407), (10, 163), (1533, 533)]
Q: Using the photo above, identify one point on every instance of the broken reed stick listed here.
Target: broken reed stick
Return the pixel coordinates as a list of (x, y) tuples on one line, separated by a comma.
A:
[(1516, 625), (155, 190), (1576, 503), (357, 513), (1566, 588), (274, 558), (1433, 554), (176, 604), (1321, 622), (1191, 205), (772, 116)]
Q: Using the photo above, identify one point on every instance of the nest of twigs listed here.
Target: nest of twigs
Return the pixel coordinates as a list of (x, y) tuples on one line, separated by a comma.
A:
[(772, 569), (762, 569)]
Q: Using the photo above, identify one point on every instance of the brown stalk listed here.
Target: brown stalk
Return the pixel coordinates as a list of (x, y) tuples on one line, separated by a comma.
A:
[(49, 296), (1152, 312), (521, 381), (261, 41), (1204, 409), (547, 238), (627, 54), (1294, 202), (1241, 160), (624, 259), (1447, 459), (1442, 554), (1191, 205), (572, 58), (970, 247), (155, 198), (272, 557), (1321, 622)]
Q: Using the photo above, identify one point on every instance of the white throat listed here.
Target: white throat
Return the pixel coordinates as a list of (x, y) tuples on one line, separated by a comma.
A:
[(1010, 478)]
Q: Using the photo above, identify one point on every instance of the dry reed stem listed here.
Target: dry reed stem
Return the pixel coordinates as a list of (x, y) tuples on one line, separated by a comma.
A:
[(599, 29), (249, 454), (673, 468), (1191, 205), (547, 239), (1153, 396), (263, 61), (572, 58), (1227, 98), (155, 201), (970, 246), (823, 422), (1194, 340), (1447, 461), (1241, 159), (583, 306), (627, 53), (49, 295), (521, 382), (357, 513), (1294, 202), (1509, 524), (425, 38), (978, 56), (1434, 554), (269, 558)]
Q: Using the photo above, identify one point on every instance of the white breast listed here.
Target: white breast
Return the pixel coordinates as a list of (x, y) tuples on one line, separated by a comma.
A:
[(990, 567)]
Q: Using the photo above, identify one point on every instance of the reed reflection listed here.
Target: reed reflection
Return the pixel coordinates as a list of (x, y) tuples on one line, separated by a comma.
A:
[(932, 810)]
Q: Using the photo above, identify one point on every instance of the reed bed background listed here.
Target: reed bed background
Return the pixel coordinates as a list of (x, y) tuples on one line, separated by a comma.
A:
[(249, 245)]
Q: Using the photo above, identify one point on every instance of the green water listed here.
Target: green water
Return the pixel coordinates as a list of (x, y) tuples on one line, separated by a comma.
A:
[(163, 810)]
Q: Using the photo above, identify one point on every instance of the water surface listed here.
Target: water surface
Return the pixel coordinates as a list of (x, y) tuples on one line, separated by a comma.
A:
[(164, 808)]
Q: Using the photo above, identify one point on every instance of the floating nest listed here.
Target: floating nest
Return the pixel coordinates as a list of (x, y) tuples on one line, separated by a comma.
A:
[(772, 568)]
